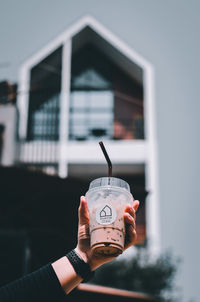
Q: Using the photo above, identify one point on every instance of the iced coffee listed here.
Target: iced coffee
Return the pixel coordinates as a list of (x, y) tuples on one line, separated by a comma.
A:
[(107, 198)]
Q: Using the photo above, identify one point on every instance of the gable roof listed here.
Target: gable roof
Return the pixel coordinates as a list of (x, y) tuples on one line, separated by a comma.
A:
[(121, 51)]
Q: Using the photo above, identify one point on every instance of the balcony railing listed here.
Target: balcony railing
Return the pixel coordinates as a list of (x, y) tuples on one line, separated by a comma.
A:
[(36, 152)]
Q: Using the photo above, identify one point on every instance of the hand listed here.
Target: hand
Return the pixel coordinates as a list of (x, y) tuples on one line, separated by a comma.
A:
[(83, 246)]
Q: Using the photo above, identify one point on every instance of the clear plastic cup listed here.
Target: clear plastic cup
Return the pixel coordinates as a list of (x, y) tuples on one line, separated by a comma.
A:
[(107, 198)]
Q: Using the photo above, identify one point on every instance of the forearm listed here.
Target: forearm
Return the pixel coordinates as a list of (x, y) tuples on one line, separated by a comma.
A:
[(50, 283), (66, 274), (75, 267), (41, 285)]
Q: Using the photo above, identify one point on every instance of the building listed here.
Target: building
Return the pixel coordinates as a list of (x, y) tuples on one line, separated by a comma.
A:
[(8, 123), (83, 87), (86, 86)]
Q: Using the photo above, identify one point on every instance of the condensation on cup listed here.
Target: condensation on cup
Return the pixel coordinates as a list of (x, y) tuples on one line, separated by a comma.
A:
[(107, 198)]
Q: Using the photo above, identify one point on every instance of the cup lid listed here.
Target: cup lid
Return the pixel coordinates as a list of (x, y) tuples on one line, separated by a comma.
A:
[(109, 181)]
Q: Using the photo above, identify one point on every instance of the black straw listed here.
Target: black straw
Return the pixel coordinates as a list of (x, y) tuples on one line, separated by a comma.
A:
[(107, 159)]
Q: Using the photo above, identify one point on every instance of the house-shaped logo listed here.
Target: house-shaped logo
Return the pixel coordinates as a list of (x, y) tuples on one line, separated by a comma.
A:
[(105, 214), (106, 211)]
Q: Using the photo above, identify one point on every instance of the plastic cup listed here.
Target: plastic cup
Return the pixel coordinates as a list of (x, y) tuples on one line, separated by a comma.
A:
[(107, 198)]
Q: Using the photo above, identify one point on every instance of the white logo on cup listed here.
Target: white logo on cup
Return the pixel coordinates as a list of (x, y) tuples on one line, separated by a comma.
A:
[(105, 214)]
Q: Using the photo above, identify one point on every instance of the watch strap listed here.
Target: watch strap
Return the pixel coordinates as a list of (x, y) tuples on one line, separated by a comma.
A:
[(80, 266)]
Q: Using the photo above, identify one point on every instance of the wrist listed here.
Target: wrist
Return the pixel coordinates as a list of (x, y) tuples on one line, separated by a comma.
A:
[(94, 262), (82, 254), (81, 267), (87, 257)]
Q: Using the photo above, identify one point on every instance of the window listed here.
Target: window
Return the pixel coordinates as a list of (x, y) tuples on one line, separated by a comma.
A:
[(105, 103), (44, 97), (91, 114)]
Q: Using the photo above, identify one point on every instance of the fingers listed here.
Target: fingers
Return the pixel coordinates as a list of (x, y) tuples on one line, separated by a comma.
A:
[(83, 212), (129, 219), (132, 209), (136, 204), (131, 236)]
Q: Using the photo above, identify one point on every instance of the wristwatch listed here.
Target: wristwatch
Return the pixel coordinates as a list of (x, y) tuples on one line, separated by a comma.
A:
[(80, 266)]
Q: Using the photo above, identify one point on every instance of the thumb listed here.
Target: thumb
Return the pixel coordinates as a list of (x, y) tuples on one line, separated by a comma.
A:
[(83, 212), (136, 204)]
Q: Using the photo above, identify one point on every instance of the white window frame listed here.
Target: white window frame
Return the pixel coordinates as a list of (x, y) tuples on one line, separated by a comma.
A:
[(148, 147)]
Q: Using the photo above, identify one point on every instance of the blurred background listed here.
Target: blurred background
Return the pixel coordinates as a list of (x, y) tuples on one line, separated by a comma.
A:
[(73, 73)]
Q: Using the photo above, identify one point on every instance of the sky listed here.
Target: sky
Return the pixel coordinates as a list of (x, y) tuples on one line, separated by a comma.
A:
[(27, 25), (166, 33)]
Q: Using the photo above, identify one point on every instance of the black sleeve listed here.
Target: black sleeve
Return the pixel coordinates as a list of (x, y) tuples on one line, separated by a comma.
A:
[(41, 286)]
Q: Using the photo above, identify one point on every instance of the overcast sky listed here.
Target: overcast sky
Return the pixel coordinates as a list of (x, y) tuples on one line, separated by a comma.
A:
[(27, 25)]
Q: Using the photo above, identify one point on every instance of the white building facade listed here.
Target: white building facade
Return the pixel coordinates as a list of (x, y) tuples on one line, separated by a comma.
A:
[(83, 87)]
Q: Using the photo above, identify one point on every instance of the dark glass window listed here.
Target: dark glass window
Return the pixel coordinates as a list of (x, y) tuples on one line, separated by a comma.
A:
[(105, 103), (91, 115), (91, 101), (44, 99)]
